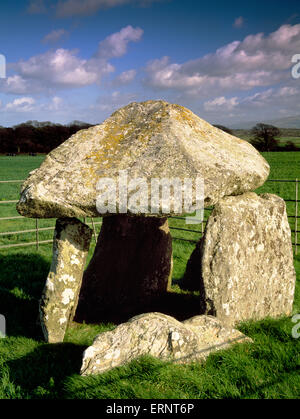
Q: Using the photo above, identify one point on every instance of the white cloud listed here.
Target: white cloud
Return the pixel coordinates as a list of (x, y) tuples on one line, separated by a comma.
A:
[(63, 68), (164, 75), (51, 106), (115, 45), (125, 78), (55, 36), (87, 7), (271, 103), (272, 97), (257, 61), (55, 104), (14, 84), (264, 105), (23, 104), (239, 22), (59, 68), (110, 103), (221, 103)]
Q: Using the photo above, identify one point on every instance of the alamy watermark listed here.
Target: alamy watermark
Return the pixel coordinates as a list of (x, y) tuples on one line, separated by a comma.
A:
[(155, 196), (2, 326), (296, 67), (2, 66)]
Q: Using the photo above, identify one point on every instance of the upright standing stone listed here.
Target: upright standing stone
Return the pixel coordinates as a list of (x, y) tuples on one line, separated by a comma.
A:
[(130, 268), (70, 248), (244, 262)]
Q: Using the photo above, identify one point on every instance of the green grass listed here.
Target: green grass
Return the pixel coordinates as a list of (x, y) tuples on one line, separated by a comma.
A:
[(284, 140), (29, 368)]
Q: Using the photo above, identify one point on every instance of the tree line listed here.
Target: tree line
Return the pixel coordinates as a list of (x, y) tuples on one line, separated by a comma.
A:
[(42, 137), (36, 137)]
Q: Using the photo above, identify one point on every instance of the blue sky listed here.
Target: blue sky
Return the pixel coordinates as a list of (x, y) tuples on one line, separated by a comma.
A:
[(229, 62)]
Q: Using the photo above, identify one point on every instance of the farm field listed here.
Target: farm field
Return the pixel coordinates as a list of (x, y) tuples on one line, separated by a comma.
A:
[(286, 135), (282, 140), (29, 368)]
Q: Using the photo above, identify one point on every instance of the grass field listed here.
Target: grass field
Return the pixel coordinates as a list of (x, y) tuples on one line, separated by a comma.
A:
[(29, 368)]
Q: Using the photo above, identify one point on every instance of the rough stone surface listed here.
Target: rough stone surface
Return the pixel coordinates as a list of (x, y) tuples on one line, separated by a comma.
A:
[(244, 263), (152, 139), (161, 336), (70, 248), (131, 267)]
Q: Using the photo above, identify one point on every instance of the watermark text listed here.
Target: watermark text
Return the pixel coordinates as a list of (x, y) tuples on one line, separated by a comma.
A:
[(155, 196), (296, 67), (296, 328), (2, 326)]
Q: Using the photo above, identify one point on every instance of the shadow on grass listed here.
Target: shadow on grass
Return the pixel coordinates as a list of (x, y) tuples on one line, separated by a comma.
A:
[(41, 373), (133, 380), (22, 278)]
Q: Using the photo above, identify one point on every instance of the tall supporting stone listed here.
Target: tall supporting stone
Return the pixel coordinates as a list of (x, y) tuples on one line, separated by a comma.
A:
[(60, 296), (131, 267), (244, 263)]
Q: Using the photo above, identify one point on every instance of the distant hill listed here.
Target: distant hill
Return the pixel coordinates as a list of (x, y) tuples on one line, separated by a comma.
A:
[(245, 134), (287, 122)]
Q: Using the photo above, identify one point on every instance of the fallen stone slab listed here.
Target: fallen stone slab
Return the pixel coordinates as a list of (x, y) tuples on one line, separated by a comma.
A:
[(59, 299), (243, 265), (150, 140), (160, 336), (131, 268)]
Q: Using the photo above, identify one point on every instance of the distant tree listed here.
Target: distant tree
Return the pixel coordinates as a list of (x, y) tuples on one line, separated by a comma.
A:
[(7, 140), (263, 137), (36, 137), (78, 123), (225, 129), (290, 146)]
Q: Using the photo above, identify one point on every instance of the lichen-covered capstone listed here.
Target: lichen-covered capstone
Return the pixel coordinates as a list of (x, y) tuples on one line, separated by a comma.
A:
[(152, 139), (70, 248), (130, 268), (244, 263), (161, 336)]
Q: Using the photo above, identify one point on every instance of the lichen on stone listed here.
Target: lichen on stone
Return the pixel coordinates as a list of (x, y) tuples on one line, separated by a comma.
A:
[(152, 139)]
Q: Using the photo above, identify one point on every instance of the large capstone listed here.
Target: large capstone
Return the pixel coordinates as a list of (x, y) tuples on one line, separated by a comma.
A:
[(160, 336), (148, 140), (130, 269), (59, 300), (243, 266)]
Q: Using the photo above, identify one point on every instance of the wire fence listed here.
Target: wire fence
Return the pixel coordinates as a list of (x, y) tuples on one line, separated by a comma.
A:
[(38, 229)]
